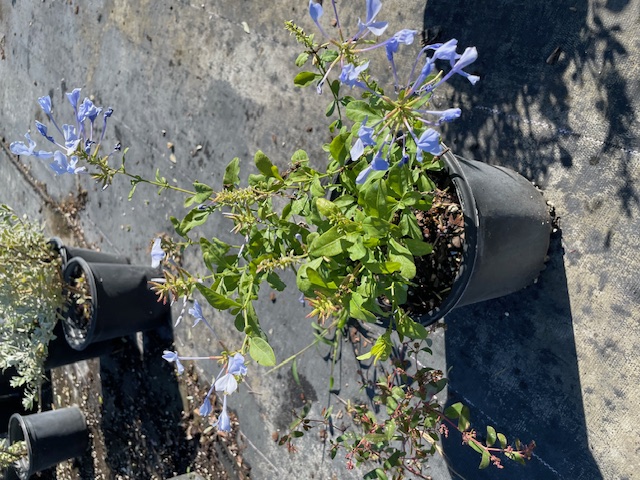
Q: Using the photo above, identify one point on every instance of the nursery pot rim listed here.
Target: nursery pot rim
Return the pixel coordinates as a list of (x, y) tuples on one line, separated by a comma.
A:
[(24, 437), (87, 333), (58, 245)]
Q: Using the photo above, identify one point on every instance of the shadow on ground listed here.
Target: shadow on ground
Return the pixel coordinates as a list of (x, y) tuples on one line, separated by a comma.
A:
[(142, 410), (513, 362), (544, 67)]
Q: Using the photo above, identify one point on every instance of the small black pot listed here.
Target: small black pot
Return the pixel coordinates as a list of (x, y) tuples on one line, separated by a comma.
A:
[(67, 253), (121, 299), (507, 230), (51, 438)]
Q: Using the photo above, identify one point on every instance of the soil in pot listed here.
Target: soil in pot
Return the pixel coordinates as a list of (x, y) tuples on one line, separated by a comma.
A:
[(443, 227)]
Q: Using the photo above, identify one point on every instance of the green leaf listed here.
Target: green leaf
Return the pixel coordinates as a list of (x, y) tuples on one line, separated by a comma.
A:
[(515, 456), (191, 220), (503, 440), (461, 412), (265, 166), (338, 147), (399, 253), (232, 174), (327, 208), (317, 190), (261, 352), (409, 328), (375, 199), (303, 79), (382, 348), (300, 156), (302, 59), (213, 253), (358, 110), (491, 436), (216, 300), (294, 371), (486, 459), (203, 192), (275, 282), (418, 247), (376, 474), (329, 244)]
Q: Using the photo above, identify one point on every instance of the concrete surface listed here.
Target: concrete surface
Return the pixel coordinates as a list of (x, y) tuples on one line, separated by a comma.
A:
[(555, 363)]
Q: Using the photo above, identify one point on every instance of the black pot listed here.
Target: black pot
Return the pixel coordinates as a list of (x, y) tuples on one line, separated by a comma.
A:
[(67, 253), (51, 438), (60, 352), (121, 299), (507, 230)]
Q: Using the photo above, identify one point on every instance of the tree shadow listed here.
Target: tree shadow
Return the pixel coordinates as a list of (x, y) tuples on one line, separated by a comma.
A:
[(142, 410), (513, 362), (545, 68)]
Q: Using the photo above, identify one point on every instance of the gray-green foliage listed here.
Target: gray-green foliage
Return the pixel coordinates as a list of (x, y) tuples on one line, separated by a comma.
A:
[(30, 295), (10, 454)]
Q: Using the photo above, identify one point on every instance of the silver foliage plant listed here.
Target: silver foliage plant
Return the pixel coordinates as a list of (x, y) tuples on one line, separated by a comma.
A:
[(30, 296)]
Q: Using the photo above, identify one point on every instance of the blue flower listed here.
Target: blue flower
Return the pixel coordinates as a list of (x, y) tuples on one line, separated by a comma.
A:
[(224, 422), (45, 103), (378, 164), (20, 148), (61, 164), (227, 384), (71, 138), (205, 408), (88, 110), (42, 128), (445, 51), (429, 142), (315, 11), (236, 365), (157, 254), (377, 28), (73, 98), (170, 356), (107, 113), (447, 115), (196, 312), (350, 73), (365, 138), (403, 36), (469, 56)]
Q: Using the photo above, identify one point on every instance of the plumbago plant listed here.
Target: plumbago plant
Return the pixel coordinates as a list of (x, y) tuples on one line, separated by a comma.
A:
[(30, 296), (349, 231)]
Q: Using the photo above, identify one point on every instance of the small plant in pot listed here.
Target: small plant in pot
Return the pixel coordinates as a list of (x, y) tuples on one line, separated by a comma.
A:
[(390, 228), (30, 299), (42, 440)]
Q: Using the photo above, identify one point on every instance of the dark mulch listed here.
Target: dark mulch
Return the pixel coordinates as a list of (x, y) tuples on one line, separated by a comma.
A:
[(143, 419), (443, 227)]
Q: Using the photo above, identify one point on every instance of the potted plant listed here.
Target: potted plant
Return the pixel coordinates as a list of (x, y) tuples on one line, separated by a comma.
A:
[(391, 229), (41, 440), (108, 301), (31, 299)]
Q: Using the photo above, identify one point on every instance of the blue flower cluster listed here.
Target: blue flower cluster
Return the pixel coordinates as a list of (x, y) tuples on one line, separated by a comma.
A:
[(407, 120), (78, 137)]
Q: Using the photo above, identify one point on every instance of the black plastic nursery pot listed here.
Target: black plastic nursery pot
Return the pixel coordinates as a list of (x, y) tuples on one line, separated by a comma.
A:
[(60, 352), (507, 229), (122, 302), (67, 253), (51, 437)]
